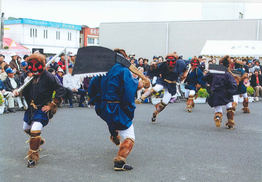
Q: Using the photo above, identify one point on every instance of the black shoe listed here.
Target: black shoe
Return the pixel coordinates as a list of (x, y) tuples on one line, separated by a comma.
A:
[(153, 119), (6, 111), (21, 109), (122, 166), (30, 163), (11, 110)]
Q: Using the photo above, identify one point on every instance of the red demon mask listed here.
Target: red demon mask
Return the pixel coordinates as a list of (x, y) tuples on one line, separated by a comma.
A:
[(194, 63), (171, 61), (35, 67)]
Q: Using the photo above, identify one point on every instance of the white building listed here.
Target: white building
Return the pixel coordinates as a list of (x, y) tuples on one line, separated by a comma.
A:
[(52, 37)]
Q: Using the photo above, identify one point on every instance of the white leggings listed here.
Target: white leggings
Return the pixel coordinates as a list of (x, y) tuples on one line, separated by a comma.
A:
[(235, 97), (34, 126), (167, 95), (189, 92), (219, 108), (128, 133)]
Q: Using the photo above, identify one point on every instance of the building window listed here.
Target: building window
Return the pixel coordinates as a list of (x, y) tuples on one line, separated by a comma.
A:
[(91, 41), (57, 35), (45, 34), (91, 31), (97, 41), (33, 32), (69, 36)]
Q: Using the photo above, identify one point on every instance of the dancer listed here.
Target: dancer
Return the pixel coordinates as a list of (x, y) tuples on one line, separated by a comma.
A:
[(168, 74), (222, 89), (194, 83), (38, 95), (114, 98)]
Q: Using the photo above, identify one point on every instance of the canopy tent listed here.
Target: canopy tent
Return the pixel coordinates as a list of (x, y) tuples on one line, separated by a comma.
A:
[(12, 44), (241, 48)]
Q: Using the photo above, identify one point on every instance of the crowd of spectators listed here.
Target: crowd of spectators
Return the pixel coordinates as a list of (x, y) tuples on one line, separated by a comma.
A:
[(14, 74)]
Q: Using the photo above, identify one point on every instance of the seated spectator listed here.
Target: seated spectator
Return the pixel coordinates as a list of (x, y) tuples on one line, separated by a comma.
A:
[(24, 72), (256, 81), (59, 75), (73, 83), (54, 64), (4, 94), (51, 70), (2, 62), (11, 83), (3, 75)]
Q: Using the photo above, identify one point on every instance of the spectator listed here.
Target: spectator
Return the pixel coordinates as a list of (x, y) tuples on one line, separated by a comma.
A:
[(24, 72), (146, 66), (51, 70), (15, 65), (133, 55), (12, 83), (73, 83), (59, 75), (5, 94), (202, 61), (257, 65), (161, 59), (54, 64), (250, 67), (256, 82), (73, 57), (155, 59), (62, 62), (3, 75), (140, 63), (86, 83), (25, 58), (132, 61), (2, 62)]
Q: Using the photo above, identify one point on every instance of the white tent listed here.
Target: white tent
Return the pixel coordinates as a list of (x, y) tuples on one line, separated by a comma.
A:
[(241, 48)]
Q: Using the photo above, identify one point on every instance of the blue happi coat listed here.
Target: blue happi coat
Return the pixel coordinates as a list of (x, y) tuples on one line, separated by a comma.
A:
[(222, 88), (165, 74), (194, 77), (114, 97)]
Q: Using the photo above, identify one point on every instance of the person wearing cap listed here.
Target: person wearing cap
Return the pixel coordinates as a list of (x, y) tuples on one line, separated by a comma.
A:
[(15, 64), (193, 83), (222, 89), (5, 95), (12, 83), (2, 62), (171, 71), (256, 82), (24, 72), (114, 98), (257, 65), (73, 83), (72, 58), (42, 106), (155, 59), (59, 75)]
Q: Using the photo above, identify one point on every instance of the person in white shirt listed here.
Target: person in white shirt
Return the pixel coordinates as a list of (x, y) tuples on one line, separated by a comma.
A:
[(73, 83)]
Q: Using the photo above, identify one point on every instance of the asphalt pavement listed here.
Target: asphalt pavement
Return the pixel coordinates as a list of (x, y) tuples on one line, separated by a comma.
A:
[(180, 146)]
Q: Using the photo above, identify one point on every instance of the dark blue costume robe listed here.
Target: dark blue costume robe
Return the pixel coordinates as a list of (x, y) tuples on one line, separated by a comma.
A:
[(41, 94), (241, 88), (162, 70), (222, 88), (119, 88), (193, 78)]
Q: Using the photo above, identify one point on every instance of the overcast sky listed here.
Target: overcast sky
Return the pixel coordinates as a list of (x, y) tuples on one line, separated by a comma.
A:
[(92, 13)]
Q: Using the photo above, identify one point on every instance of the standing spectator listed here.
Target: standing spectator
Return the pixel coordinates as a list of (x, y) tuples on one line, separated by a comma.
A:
[(257, 65), (140, 63), (146, 66), (15, 65), (12, 83), (5, 94), (256, 82), (2, 62), (62, 62), (59, 75), (73, 83)]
